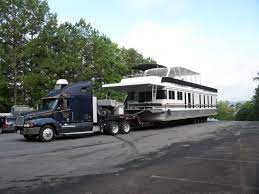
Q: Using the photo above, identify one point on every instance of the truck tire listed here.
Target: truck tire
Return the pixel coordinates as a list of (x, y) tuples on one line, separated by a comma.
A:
[(124, 127), (47, 133), (113, 128), (30, 137)]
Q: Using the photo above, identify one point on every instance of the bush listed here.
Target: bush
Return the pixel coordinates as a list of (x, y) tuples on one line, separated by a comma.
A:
[(246, 112), (225, 111)]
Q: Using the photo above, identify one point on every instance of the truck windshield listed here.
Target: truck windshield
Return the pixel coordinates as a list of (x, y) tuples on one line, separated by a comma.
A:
[(49, 104)]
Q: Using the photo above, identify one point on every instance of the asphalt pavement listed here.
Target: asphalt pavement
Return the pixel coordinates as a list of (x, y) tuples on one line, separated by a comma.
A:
[(212, 157)]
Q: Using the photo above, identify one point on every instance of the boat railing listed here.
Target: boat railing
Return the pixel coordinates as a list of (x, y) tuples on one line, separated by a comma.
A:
[(134, 75)]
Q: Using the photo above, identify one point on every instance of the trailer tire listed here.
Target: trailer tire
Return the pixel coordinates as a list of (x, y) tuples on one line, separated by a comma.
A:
[(47, 133), (205, 119), (124, 127), (112, 128)]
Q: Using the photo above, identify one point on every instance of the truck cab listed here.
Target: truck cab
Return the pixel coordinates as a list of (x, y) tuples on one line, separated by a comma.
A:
[(66, 110)]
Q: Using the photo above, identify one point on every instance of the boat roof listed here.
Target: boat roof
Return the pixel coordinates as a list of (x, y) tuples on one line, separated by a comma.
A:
[(173, 71), (144, 67), (181, 71), (160, 76)]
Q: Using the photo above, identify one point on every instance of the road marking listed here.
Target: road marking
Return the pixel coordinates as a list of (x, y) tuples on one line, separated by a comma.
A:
[(202, 182), (225, 160)]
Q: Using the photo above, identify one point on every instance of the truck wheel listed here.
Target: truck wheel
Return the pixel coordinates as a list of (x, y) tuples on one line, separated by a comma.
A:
[(30, 137), (47, 133), (124, 127), (113, 128)]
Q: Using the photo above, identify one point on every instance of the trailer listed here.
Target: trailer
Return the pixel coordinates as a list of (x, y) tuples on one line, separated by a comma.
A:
[(74, 110)]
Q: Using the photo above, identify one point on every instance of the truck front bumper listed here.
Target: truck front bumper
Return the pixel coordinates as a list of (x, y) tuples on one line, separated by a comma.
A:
[(31, 131)]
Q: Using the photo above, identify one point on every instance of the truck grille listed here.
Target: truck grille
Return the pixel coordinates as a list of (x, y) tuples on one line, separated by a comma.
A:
[(20, 121)]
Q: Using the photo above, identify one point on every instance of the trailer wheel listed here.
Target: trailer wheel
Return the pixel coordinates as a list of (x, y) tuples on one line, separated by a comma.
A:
[(113, 128), (30, 137), (205, 119), (47, 133), (124, 127)]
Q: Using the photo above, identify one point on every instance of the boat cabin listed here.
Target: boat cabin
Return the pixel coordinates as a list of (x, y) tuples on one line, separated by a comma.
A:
[(156, 87)]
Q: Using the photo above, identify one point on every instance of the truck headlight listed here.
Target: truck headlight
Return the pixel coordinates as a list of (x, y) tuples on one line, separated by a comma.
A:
[(29, 125)]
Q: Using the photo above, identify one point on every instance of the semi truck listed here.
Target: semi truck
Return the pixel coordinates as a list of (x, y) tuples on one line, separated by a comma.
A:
[(74, 110)]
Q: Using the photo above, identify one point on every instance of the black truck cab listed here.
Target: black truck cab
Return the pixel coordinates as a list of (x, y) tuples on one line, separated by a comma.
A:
[(66, 110)]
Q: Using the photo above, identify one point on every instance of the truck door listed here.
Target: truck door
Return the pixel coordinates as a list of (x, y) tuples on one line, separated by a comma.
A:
[(63, 113), (80, 110)]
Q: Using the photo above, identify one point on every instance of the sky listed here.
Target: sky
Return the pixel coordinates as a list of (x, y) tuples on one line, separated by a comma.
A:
[(219, 39)]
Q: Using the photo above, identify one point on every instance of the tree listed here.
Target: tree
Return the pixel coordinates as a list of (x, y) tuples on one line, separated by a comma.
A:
[(108, 65), (225, 111), (245, 112), (35, 51), (256, 104), (21, 21), (131, 57)]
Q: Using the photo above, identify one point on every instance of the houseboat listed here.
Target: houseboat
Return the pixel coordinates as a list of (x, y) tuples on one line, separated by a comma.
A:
[(161, 94)]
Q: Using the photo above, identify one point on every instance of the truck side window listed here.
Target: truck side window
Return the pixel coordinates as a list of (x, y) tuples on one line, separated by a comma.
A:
[(84, 90), (61, 104)]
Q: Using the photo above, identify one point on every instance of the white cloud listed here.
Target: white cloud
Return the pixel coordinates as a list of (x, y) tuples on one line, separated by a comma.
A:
[(223, 63)]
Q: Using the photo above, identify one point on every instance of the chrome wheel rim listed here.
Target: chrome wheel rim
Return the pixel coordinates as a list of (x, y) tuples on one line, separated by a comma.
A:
[(47, 134), (115, 128), (126, 127)]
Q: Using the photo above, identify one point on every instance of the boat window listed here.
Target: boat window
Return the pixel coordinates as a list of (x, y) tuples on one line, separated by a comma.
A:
[(161, 94), (141, 97), (131, 95), (161, 72), (179, 96), (145, 96), (171, 95), (148, 96)]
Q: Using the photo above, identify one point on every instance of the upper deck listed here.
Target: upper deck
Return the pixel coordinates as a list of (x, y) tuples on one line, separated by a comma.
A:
[(153, 74)]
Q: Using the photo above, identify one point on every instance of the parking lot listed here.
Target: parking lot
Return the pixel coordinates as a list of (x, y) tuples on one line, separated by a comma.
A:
[(215, 157)]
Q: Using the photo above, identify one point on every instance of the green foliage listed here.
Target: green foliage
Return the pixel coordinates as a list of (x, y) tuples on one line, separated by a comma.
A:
[(35, 51), (225, 111), (249, 111), (245, 112), (21, 22), (256, 104)]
